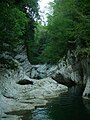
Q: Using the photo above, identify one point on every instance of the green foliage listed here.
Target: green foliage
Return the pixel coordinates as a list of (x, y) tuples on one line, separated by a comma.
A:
[(41, 37), (12, 25), (37, 44), (70, 21), (58, 26), (9, 63), (17, 24), (84, 52)]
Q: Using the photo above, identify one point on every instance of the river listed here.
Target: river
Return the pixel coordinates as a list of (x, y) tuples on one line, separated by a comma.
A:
[(65, 107), (68, 106)]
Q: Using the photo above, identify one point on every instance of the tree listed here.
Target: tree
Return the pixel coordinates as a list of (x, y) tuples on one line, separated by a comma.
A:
[(69, 23), (17, 23), (13, 21)]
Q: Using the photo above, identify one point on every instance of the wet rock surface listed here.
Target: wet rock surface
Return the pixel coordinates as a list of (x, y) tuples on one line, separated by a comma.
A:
[(16, 97)]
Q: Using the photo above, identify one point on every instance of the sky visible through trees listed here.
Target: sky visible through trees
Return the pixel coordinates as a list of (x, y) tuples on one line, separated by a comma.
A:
[(44, 9)]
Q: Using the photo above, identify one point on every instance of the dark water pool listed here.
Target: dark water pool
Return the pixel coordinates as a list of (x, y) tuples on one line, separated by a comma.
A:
[(68, 106), (63, 108)]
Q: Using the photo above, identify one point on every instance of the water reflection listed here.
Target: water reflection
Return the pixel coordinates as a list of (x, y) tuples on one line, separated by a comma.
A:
[(68, 108)]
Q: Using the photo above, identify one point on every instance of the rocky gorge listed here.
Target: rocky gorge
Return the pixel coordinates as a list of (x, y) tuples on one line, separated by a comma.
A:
[(45, 63), (27, 86), (70, 71), (19, 92)]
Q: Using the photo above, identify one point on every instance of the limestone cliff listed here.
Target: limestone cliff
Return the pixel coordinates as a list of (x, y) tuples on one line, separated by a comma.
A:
[(72, 69), (11, 60), (77, 69)]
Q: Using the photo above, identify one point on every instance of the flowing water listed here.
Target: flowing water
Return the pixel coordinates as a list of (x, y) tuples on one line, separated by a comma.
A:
[(68, 106)]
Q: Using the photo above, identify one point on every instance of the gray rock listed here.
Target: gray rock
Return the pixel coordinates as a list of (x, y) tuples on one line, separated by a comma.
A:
[(15, 97), (42, 71), (72, 70), (21, 57)]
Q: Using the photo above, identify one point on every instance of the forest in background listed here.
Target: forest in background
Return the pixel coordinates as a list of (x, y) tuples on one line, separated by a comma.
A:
[(68, 28)]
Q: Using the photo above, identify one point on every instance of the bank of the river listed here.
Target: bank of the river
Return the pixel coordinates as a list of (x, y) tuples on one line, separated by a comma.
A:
[(20, 93), (66, 106)]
